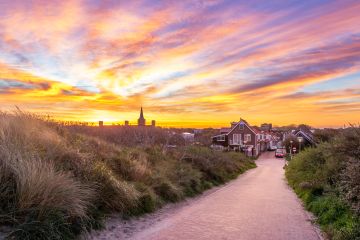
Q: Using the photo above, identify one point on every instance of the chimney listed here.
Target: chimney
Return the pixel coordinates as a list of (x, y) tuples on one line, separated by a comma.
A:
[(101, 123), (153, 123), (126, 123)]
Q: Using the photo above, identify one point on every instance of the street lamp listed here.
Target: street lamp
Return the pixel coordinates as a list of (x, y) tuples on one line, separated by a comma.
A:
[(300, 139), (291, 142)]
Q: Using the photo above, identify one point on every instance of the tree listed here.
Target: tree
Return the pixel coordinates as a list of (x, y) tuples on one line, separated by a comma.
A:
[(325, 135), (304, 128)]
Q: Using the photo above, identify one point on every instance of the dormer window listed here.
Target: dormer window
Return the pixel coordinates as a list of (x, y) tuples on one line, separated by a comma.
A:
[(241, 126)]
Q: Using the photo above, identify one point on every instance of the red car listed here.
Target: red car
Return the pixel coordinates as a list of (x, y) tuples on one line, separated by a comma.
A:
[(280, 153)]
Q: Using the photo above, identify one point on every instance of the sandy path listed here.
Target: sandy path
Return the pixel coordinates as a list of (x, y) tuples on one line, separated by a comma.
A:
[(257, 205)]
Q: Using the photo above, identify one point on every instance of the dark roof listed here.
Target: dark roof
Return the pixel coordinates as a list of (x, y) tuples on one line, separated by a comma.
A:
[(225, 130), (307, 135)]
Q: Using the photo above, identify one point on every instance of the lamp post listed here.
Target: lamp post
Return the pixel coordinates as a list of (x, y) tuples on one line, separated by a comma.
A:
[(300, 139), (291, 142)]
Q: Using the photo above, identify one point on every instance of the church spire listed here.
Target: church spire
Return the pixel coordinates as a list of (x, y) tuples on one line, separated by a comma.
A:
[(141, 113), (141, 120)]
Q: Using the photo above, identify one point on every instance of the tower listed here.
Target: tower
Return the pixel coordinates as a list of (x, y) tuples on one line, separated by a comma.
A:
[(141, 120)]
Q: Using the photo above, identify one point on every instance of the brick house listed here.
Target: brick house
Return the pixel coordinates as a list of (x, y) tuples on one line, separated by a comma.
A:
[(239, 137)]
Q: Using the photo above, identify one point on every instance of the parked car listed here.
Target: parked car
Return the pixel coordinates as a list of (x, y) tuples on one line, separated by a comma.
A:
[(280, 153), (272, 148)]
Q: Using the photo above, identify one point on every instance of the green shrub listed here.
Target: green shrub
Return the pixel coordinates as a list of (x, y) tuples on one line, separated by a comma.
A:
[(335, 216), (168, 191), (218, 167), (327, 179), (189, 179), (350, 184), (148, 200), (114, 194), (55, 225)]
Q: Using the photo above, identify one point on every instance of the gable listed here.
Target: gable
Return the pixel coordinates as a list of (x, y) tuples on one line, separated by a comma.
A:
[(304, 135), (237, 127)]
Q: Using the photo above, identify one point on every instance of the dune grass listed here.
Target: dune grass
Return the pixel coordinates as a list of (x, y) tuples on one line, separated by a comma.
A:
[(56, 182)]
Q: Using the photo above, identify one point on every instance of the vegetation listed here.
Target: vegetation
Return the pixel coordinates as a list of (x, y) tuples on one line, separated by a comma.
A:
[(327, 180), (57, 181), (325, 135)]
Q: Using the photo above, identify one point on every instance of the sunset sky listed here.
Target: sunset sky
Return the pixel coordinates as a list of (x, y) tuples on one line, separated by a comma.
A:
[(188, 63)]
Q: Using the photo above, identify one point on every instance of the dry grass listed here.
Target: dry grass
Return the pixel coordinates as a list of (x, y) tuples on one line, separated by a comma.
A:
[(45, 169), (38, 186), (56, 181)]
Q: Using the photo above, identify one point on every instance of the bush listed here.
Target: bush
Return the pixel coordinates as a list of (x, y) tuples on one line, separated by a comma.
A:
[(54, 226), (147, 201), (327, 179), (350, 184), (335, 216), (217, 167), (115, 194), (168, 191)]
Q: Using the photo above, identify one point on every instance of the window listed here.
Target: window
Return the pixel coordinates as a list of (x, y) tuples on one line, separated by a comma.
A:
[(241, 126), (221, 138), (236, 139), (247, 137)]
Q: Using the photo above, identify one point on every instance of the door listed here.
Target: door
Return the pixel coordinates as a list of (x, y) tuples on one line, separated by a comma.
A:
[(237, 139)]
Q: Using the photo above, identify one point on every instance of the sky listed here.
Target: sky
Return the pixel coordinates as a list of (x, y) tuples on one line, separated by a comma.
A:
[(198, 63)]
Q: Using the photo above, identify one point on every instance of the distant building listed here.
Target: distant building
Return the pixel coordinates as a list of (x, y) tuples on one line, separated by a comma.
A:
[(101, 123), (241, 136), (189, 137), (141, 120), (126, 123), (266, 127)]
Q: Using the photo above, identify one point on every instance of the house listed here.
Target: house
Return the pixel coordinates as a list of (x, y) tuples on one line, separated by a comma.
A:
[(306, 137), (264, 138), (239, 137)]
